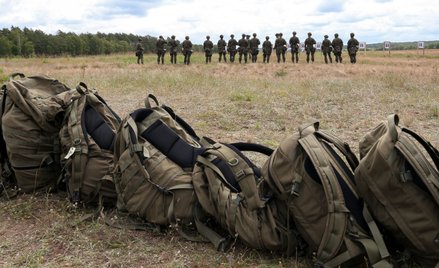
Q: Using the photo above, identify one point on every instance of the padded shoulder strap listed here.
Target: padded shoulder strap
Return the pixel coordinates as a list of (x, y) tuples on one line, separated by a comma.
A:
[(253, 147), (342, 146), (336, 223)]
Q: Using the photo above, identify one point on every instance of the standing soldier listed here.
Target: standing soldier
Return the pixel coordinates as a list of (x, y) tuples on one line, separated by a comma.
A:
[(267, 47), (294, 45), (243, 48), (254, 48), (139, 51), (208, 47), (222, 48), (160, 47), (280, 46), (173, 48), (337, 44), (310, 47), (231, 47), (327, 49), (187, 50), (353, 48)]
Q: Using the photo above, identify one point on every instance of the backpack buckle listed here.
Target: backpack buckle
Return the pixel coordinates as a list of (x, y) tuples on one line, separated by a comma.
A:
[(233, 162)]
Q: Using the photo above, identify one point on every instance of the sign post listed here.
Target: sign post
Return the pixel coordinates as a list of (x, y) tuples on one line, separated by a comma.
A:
[(421, 46), (387, 46), (363, 46)]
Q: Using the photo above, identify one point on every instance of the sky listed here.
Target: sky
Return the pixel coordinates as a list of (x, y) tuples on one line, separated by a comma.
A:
[(372, 21)]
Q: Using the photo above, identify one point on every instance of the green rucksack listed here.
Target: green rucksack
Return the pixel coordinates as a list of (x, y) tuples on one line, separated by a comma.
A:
[(32, 113), (229, 190), (401, 188), (87, 144), (312, 172), (155, 152)]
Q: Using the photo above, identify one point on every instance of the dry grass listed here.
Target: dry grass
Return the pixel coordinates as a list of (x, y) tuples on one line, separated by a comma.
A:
[(253, 102)]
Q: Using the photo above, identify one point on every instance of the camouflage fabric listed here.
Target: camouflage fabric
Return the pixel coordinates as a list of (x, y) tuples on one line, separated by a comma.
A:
[(187, 50), (173, 48), (231, 47), (353, 48), (267, 48), (337, 44), (222, 44), (294, 44), (327, 49), (280, 45)]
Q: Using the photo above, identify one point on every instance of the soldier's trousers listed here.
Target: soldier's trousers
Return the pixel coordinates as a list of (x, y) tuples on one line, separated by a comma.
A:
[(266, 57), (161, 57), (187, 57), (232, 56), (296, 54), (312, 56), (326, 55), (140, 59), (353, 57), (245, 56), (222, 54), (280, 54), (338, 57), (173, 57)]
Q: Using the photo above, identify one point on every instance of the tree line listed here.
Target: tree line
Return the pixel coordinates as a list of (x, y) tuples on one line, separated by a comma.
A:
[(28, 43)]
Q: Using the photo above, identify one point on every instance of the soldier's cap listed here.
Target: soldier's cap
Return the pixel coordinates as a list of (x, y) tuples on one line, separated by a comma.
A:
[(187, 37), (207, 37), (254, 34), (232, 35), (160, 36), (173, 36), (336, 34), (352, 34), (309, 33), (294, 32), (221, 36), (326, 36), (243, 35), (267, 37), (280, 34)]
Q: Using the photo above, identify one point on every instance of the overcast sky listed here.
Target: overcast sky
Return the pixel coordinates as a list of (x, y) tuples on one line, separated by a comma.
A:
[(372, 21)]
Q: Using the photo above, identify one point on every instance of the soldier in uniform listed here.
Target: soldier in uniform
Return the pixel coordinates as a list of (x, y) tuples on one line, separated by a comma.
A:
[(267, 47), (222, 48), (139, 51), (161, 50), (231, 47), (208, 47), (173, 48), (327, 49), (254, 47), (187, 50), (353, 48), (310, 47), (243, 48), (337, 45), (280, 45), (294, 45)]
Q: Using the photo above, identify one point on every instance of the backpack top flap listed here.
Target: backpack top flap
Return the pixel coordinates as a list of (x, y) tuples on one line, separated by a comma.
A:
[(42, 98)]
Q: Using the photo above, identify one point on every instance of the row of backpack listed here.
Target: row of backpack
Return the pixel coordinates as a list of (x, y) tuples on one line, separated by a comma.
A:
[(312, 195)]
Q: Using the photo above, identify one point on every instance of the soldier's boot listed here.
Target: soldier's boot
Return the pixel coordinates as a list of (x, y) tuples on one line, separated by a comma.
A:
[(297, 58), (326, 59), (312, 57), (307, 58)]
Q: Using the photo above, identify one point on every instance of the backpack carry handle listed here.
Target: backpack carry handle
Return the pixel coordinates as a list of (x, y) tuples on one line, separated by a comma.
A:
[(13, 75), (392, 122), (253, 147), (148, 102)]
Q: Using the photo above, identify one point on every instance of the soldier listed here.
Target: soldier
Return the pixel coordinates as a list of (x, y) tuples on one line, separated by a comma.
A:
[(243, 48), (267, 47), (327, 49), (208, 47), (337, 44), (353, 48), (173, 48), (280, 45), (254, 48), (161, 50), (139, 51), (231, 47), (222, 48), (187, 50), (310, 47), (294, 45)]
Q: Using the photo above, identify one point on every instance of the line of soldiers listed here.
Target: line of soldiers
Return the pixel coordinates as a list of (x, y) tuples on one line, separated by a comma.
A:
[(246, 46)]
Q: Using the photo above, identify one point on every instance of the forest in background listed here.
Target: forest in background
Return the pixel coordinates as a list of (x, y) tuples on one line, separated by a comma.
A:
[(28, 43)]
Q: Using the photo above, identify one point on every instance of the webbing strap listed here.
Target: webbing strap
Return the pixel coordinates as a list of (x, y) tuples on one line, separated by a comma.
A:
[(376, 234), (336, 222), (343, 147)]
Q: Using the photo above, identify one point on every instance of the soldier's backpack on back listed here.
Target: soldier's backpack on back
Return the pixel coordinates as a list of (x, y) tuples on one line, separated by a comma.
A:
[(154, 154), (309, 172), (32, 113), (87, 144), (401, 187), (228, 188)]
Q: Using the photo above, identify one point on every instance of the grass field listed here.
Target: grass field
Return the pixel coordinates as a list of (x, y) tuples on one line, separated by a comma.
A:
[(262, 103)]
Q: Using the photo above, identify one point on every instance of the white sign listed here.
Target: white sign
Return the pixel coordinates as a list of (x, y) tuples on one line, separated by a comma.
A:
[(302, 47), (421, 45), (319, 45), (362, 45), (387, 44)]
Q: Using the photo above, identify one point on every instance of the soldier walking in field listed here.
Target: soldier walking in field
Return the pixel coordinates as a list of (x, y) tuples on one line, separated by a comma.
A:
[(267, 47), (231, 47), (173, 48), (161, 50), (187, 50), (222, 48), (280, 45), (243, 48), (254, 48), (294, 45), (310, 47), (208, 48), (327, 49), (337, 45), (139, 51), (353, 48)]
